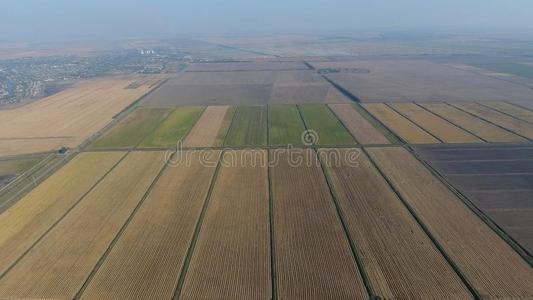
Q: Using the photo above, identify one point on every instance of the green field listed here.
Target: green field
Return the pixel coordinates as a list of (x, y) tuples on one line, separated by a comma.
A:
[(225, 127), (18, 165), (178, 124), (330, 130), (285, 125), (249, 127), (129, 132)]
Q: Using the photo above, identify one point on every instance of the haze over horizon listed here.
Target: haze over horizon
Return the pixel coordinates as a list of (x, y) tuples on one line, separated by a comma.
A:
[(40, 20)]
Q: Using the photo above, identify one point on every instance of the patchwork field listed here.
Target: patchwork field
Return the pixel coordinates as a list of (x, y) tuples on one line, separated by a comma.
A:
[(329, 130), (364, 132), (246, 66), (248, 127), (285, 125), (313, 259), (67, 118), (211, 127), (74, 246), (498, 180), (512, 110), (133, 129), (231, 258), (174, 128), (489, 264)]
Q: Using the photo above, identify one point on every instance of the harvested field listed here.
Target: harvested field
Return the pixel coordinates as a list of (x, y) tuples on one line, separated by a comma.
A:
[(442, 129), (363, 131), (27, 220), (130, 131), (59, 264), (520, 127), (386, 234), (479, 127), (208, 128), (174, 128), (67, 118), (513, 110), (313, 258), (420, 81), (404, 128), (146, 262), (231, 259), (246, 66), (490, 265), (245, 88), (329, 129), (249, 127), (285, 125)]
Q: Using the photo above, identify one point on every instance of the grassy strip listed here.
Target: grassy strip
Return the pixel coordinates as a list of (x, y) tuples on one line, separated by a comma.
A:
[(249, 127), (285, 125)]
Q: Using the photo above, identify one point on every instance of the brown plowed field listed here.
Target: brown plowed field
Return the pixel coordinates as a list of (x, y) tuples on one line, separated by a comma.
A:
[(312, 254), (231, 259), (513, 110), (147, 260), (386, 234), (399, 124), (27, 220), (358, 126), (479, 127), (439, 127), (59, 264), (491, 266), (206, 130)]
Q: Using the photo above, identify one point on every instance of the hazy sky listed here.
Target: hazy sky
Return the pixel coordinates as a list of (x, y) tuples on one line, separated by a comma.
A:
[(43, 19)]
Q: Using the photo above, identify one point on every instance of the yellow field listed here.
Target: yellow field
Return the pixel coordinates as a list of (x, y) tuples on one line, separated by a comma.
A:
[(513, 110), (387, 235), (399, 125), (440, 128), (481, 128), (231, 259), (358, 126), (66, 118), (491, 266), (312, 254), (206, 130), (27, 220), (146, 262), (59, 264)]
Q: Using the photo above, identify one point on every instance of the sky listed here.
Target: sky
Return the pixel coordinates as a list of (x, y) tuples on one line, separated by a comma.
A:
[(49, 19)]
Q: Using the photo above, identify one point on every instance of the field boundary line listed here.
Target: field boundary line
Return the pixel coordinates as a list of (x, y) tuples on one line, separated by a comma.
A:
[(273, 268), (478, 212), (193, 125), (387, 133), (519, 105), (62, 217), (341, 89), (230, 125), (197, 230), (342, 124), (355, 253), (414, 123), (123, 228), (426, 230), (502, 112), (452, 123), (481, 118), (400, 140)]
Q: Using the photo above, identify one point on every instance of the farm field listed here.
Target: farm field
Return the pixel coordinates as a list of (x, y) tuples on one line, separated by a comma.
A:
[(246, 66), (404, 80), (489, 264), (248, 127), (131, 130), (67, 118), (481, 128), (313, 258), (74, 246), (27, 220), (231, 258), (11, 168), (498, 180), (513, 110), (285, 125), (519, 127), (147, 260), (210, 128), (174, 128), (385, 234), (329, 129), (398, 124), (438, 127), (363, 131)]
